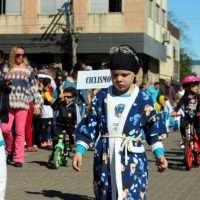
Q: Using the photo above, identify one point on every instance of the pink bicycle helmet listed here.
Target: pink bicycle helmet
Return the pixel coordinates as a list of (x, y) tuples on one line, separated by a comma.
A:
[(190, 79)]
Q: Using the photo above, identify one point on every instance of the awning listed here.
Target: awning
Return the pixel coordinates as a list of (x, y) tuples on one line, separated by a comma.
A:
[(88, 43)]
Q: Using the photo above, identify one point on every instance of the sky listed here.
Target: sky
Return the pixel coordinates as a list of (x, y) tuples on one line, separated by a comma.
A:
[(187, 12)]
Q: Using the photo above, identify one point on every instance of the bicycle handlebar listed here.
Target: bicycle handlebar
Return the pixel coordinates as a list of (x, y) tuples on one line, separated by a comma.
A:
[(178, 115)]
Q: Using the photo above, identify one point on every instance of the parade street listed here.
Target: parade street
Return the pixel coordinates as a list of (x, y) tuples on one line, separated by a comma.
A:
[(36, 182)]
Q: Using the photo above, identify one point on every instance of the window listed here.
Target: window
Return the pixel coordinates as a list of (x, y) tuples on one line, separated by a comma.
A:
[(60, 3), (10, 7), (47, 7), (99, 6), (13, 7), (151, 8), (50, 7), (164, 18), (157, 13), (2, 7), (175, 53), (115, 5)]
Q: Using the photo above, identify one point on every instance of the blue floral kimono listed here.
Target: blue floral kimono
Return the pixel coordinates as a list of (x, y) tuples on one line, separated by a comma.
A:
[(120, 162)]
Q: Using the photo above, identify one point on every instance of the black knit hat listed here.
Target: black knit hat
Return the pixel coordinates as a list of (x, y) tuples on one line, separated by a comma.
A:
[(124, 57)]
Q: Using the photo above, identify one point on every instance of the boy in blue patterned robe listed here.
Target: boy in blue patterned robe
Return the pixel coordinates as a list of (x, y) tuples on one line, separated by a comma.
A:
[(120, 119)]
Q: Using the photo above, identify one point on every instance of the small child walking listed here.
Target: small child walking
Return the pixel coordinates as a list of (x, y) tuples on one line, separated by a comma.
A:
[(47, 114), (164, 108), (116, 123)]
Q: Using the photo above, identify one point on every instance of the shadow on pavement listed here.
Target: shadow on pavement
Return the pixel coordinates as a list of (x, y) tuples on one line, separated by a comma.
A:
[(175, 159), (42, 163), (174, 153), (58, 194), (176, 166)]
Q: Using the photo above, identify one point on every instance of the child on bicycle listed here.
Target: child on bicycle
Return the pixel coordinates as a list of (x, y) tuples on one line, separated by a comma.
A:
[(119, 117), (189, 104), (67, 115)]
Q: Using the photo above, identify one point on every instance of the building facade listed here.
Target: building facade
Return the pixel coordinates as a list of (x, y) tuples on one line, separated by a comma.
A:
[(41, 26), (142, 24), (171, 68), (23, 23)]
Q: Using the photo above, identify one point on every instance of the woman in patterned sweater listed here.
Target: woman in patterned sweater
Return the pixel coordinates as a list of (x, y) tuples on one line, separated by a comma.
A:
[(24, 85)]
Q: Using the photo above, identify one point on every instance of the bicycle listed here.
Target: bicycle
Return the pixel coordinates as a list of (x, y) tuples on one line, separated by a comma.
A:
[(191, 151), (192, 147), (62, 151)]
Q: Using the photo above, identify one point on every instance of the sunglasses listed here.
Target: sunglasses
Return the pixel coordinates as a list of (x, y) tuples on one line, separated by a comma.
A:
[(193, 84), (68, 97), (19, 55)]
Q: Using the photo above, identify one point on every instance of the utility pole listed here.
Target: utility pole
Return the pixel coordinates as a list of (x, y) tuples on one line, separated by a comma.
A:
[(70, 42), (70, 26)]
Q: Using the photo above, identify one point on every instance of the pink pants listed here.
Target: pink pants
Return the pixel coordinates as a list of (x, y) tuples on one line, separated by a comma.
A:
[(29, 126), (15, 147)]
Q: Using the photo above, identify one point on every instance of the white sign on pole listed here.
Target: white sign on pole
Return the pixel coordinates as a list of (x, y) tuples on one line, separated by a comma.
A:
[(94, 79)]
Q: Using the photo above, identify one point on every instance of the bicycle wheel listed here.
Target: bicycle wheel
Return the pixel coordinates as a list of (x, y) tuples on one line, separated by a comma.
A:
[(57, 158), (188, 157), (196, 152), (65, 160), (66, 154), (196, 159)]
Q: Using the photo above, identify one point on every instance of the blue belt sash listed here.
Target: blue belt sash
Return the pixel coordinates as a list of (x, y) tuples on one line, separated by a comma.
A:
[(2, 143)]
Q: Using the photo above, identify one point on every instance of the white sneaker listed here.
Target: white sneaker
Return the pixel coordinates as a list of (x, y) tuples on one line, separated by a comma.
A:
[(182, 145)]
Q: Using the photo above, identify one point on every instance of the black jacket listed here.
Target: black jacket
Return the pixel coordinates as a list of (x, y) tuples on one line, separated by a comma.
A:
[(189, 103), (4, 99), (66, 115)]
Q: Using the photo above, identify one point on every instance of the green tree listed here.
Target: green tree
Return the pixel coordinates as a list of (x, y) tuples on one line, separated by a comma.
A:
[(185, 63)]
